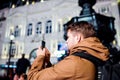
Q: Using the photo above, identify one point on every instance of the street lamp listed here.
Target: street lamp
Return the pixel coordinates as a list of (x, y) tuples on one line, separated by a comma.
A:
[(104, 25), (10, 52)]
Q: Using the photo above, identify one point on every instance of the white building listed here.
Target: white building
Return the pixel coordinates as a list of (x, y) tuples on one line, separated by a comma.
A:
[(31, 23), (3, 15)]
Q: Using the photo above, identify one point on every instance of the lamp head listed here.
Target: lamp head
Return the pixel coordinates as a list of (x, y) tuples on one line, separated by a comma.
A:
[(12, 37)]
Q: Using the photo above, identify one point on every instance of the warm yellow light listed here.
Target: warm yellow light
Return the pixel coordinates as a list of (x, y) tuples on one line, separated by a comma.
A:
[(114, 42), (33, 2), (27, 3), (13, 6), (42, 0)]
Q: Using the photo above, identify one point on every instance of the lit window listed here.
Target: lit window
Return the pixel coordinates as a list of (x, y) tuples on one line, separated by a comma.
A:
[(12, 51), (49, 26), (17, 31), (39, 28), (29, 29)]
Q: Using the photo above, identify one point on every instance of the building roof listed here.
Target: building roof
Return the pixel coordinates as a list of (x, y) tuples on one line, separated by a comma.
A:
[(9, 3)]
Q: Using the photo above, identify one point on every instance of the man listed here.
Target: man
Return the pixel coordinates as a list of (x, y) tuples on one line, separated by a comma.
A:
[(22, 65), (80, 37)]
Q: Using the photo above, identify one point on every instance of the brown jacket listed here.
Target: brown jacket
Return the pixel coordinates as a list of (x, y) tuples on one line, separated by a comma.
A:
[(72, 67)]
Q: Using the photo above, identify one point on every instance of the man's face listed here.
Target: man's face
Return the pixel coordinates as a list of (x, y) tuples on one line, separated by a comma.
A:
[(72, 39)]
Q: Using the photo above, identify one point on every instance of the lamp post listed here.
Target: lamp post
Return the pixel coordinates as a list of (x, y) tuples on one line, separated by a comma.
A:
[(10, 53)]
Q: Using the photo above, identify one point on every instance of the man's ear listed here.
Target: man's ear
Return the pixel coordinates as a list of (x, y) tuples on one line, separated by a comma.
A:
[(78, 37)]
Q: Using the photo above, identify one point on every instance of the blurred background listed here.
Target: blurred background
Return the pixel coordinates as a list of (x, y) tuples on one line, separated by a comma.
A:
[(25, 23)]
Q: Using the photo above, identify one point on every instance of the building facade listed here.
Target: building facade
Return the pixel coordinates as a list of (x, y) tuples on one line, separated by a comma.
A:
[(3, 17), (33, 23)]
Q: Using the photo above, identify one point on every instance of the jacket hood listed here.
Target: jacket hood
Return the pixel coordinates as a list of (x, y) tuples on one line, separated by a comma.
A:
[(93, 46)]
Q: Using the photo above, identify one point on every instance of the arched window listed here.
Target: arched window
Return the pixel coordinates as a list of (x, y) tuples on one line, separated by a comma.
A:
[(29, 29), (39, 28), (17, 31), (49, 26)]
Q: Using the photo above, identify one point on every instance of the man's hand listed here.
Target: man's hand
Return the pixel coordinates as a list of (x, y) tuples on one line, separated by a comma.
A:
[(40, 51), (45, 52)]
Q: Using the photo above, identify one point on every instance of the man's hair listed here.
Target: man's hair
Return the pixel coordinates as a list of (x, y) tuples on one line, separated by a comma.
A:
[(82, 27)]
